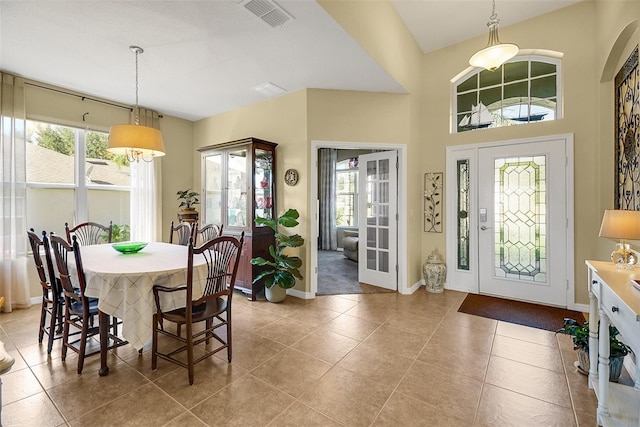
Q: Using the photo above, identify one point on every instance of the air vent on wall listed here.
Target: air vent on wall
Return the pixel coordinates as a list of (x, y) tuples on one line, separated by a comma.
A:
[(269, 11)]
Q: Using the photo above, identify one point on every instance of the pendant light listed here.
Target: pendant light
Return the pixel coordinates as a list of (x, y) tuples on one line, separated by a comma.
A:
[(136, 141), (496, 53)]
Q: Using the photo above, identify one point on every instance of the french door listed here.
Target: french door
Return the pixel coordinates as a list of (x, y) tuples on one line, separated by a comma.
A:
[(522, 221), (378, 226)]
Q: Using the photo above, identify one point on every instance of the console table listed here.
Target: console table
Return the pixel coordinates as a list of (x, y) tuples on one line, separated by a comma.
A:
[(613, 300)]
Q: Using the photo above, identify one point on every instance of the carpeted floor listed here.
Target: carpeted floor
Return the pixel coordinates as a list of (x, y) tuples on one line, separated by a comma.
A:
[(521, 313), (338, 275)]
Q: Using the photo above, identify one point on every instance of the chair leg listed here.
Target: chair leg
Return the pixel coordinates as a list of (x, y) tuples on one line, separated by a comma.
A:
[(209, 333), (229, 335), (114, 325), (52, 327), (65, 334), (83, 345), (59, 317), (190, 351), (43, 316), (154, 344)]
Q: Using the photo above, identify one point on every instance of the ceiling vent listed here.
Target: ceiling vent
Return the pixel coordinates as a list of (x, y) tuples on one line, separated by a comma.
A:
[(269, 11), (269, 89)]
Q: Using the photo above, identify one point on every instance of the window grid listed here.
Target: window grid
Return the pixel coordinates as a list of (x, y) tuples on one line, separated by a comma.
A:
[(483, 100)]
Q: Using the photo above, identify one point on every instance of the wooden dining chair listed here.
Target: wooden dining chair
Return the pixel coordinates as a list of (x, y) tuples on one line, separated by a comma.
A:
[(183, 231), (209, 232), (52, 299), (213, 307), (90, 233), (80, 311)]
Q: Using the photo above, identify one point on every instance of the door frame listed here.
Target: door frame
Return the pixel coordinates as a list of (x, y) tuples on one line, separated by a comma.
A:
[(403, 287), (467, 280)]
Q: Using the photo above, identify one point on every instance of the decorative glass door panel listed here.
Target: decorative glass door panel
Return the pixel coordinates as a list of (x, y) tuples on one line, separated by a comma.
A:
[(522, 222), (520, 218), (378, 204), (236, 191)]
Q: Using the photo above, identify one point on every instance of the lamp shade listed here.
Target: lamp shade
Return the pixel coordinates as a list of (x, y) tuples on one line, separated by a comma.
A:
[(492, 57), (143, 140), (620, 224)]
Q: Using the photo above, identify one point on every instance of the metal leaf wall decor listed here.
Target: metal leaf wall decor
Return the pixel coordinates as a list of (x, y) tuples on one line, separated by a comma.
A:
[(627, 138), (433, 186)]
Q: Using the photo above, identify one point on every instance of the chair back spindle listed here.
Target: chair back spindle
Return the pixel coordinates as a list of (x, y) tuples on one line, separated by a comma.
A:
[(90, 233)]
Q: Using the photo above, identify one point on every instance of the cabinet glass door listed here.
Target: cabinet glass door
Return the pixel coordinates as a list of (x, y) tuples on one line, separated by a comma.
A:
[(212, 190), (236, 190), (263, 183)]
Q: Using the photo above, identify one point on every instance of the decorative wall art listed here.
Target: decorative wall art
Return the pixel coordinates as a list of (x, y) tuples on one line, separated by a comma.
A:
[(433, 182), (627, 148)]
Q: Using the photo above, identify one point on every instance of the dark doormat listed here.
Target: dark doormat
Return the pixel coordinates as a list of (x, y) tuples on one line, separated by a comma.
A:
[(521, 313)]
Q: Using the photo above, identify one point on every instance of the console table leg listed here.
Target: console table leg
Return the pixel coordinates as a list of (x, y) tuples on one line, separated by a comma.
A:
[(603, 367), (593, 335)]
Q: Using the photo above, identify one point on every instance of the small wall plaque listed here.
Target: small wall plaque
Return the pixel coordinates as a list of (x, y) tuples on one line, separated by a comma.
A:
[(291, 177)]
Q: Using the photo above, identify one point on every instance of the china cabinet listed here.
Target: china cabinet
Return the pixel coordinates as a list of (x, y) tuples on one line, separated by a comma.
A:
[(238, 185)]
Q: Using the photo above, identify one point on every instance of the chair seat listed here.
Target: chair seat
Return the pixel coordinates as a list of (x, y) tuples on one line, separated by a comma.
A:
[(76, 307), (211, 308)]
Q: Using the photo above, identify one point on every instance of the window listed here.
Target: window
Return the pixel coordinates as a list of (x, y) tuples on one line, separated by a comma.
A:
[(347, 193), (520, 92), (71, 177)]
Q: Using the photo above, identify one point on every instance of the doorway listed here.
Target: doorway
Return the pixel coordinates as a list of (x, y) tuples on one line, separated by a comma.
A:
[(513, 235), (398, 263)]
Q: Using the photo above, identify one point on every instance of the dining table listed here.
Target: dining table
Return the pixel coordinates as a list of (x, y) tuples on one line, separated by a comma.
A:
[(123, 284)]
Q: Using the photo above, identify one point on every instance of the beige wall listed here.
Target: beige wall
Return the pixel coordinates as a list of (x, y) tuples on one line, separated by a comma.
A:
[(282, 120), (569, 31)]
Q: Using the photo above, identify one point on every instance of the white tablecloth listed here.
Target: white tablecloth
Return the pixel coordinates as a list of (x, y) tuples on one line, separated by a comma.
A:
[(123, 283)]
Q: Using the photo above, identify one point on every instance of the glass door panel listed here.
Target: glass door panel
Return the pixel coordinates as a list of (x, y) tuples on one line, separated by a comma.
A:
[(236, 190), (263, 184), (212, 191)]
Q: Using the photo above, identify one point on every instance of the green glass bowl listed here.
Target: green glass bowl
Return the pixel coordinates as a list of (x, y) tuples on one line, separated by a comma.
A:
[(128, 247)]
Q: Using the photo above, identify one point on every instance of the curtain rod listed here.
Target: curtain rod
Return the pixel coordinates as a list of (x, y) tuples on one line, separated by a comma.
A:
[(82, 97)]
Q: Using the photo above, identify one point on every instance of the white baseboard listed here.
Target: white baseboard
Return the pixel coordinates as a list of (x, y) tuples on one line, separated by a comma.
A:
[(584, 308), (300, 294), (413, 288)]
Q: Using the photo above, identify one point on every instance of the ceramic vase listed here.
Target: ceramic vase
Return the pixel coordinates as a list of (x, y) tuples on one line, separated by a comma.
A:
[(435, 273)]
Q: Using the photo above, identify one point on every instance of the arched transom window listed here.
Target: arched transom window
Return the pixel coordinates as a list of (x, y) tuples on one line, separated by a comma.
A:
[(526, 90)]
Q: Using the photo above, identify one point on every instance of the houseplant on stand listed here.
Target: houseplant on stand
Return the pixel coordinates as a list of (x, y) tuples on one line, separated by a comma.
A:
[(580, 336), (188, 199), (282, 270)]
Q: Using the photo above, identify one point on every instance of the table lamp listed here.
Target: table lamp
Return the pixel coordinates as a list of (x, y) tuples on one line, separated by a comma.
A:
[(622, 225)]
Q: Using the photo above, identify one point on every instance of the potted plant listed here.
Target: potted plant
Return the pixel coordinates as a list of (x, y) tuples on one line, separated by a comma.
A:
[(282, 270), (120, 233), (580, 336), (188, 199)]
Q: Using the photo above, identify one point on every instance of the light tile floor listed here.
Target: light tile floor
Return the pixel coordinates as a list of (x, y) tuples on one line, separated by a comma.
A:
[(349, 360)]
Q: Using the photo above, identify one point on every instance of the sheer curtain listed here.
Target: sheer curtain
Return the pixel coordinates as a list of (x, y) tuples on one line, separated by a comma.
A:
[(146, 190), (14, 285), (328, 158)]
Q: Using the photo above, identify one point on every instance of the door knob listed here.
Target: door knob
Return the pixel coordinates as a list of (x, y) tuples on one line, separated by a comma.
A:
[(484, 227)]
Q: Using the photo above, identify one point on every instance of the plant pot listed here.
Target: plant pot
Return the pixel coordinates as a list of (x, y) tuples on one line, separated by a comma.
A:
[(615, 364), (275, 294), (188, 215)]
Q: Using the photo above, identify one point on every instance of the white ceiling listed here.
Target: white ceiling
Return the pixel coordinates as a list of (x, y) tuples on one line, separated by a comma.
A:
[(203, 57)]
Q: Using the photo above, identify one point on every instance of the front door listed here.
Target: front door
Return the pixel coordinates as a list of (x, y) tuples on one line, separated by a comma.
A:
[(522, 220), (378, 226)]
